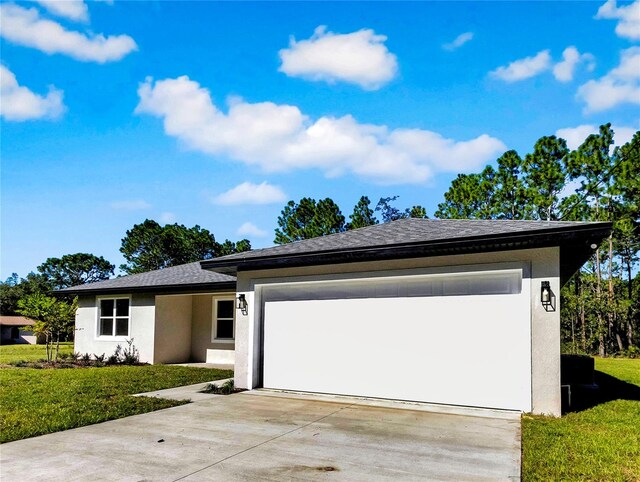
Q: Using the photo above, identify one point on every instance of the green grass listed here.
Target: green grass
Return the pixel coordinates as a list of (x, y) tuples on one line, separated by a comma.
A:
[(39, 401), (13, 353), (600, 443), (625, 369)]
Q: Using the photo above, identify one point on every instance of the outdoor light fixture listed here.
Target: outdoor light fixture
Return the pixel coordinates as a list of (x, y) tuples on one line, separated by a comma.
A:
[(242, 304), (547, 298)]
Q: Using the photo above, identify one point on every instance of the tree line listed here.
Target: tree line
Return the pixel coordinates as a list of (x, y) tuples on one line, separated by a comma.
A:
[(598, 181)]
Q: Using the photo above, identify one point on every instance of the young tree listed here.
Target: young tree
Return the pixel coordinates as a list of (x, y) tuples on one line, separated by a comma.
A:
[(149, 246), (308, 219), (75, 269), (54, 319), (362, 215)]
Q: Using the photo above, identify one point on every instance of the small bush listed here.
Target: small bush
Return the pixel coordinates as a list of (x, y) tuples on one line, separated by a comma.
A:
[(115, 358), (227, 388), (19, 363), (130, 355)]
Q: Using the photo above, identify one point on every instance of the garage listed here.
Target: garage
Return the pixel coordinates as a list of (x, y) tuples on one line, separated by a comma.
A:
[(444, 311), (458, 338)]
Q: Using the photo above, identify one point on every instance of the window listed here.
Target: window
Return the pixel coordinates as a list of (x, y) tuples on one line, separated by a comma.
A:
[(113, 317), (492, 282), (224, 311)]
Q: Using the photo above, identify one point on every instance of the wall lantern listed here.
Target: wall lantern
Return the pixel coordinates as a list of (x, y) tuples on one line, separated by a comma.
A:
[(547, 298), (241, 304)]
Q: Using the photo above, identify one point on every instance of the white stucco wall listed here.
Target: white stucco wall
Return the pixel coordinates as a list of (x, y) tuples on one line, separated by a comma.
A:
[(173, 329), (142, 312), (203, 347), (543, 264)]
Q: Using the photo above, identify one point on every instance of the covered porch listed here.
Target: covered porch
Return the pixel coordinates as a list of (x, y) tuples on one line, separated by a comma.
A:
[(195, 329)]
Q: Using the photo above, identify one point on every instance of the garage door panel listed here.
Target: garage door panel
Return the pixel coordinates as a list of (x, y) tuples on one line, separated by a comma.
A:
[(461, 350)]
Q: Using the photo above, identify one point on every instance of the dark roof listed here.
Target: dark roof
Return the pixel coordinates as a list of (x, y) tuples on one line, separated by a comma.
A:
[(183, 278), (408, 238)]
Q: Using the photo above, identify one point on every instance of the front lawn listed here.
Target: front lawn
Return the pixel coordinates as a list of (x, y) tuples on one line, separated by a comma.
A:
[(14, 353), (600, 443), (38, 401)]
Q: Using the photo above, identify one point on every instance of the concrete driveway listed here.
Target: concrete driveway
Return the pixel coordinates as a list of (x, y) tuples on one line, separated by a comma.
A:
[(265, 436)]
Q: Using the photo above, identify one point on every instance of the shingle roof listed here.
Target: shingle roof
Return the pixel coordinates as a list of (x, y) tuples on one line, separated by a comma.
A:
[(402, 238), (6, 320), (404, 232), (184, 276)]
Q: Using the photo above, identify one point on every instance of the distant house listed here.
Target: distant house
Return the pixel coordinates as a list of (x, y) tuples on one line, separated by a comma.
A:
[(12, 330)]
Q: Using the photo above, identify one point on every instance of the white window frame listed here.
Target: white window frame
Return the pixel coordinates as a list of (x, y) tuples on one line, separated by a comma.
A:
[(99, 300), (214, 321)]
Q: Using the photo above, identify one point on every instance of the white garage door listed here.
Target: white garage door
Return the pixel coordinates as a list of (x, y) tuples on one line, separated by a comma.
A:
[(460, 339)]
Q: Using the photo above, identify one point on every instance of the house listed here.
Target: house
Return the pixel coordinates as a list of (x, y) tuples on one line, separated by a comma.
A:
[(12, 330), (456, 312), (177, 314)]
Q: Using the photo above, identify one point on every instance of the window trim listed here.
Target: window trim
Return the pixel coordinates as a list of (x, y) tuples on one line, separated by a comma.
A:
[(214, 321), (112, 337)]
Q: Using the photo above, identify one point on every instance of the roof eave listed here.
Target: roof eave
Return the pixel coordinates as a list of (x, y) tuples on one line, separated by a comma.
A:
[(162, 289)]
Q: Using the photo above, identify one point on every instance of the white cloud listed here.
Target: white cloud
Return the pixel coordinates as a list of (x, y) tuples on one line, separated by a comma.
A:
[(75, 10), (359, 58), (281, 138), (459, 41), (18, 103), (248, 193), (167, 218), (620, 85), (628, 18), (250, 229), (524, 68), (25, 27), (575, 136), (571, 57), (131, 205)]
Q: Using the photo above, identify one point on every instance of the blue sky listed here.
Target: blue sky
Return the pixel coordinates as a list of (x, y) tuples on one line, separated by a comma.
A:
[(113, 112)]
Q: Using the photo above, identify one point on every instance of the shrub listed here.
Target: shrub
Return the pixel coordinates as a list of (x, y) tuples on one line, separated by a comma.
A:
[(227, 388), (99, 359), (130, 355), (115, 358)]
